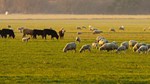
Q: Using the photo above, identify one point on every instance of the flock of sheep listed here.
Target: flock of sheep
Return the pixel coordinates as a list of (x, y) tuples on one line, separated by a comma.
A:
[(103, 44)]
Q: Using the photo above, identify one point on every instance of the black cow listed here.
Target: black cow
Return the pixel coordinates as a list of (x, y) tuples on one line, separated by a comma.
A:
[(37, 32), (51, 32), (5, 32)]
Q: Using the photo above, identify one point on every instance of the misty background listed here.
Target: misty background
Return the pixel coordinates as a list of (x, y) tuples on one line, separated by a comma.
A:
[(75, 6)]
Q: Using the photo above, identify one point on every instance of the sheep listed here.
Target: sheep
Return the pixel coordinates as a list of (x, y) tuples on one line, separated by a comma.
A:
[(70, 46), (25, 39), (103, 41), (132, 43), (95, 45), (137, 46), (108, 47), (144, 29), (79, 33), (121, 48), (84, 27), (148, 45), (122, 28), (99, 38), (79, 28), (112, 30), (143, 48), (85, 47), (125, 43), (78, 39), (97, 31)]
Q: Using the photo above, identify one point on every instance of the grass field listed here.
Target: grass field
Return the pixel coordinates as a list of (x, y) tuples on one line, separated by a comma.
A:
[(42, 61)]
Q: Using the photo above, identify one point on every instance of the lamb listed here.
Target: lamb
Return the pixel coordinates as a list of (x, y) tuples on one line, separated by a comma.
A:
[(79, 28), (25, 39), (85, 47), (132, 43), (143, 48), (78, 39), (97, 31), (121, 48), (125, 43), (70, 46), (95, 45), (108, 47)]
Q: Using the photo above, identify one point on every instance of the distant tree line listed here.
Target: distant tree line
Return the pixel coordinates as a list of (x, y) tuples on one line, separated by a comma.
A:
[(76, 6)]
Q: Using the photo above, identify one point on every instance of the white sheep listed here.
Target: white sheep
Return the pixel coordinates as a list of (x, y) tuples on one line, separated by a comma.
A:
[(95, 45), (108, 47), (85, 47), (143, 48), (137, 46), (78, 39), (122, 28), (99, 38), (125, 43), (70, 46), (103, 41), (132, 43), (121, 48), (97, 31), (25, 39)]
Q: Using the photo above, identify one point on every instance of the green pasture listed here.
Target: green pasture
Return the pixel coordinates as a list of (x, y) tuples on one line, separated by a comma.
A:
[(42, 61)]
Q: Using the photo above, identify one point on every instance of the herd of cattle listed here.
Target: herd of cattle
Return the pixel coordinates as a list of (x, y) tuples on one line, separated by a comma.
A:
[(34, 33)]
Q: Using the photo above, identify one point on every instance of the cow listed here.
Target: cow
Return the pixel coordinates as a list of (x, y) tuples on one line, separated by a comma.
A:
[(61, 33), (51, 32), (27, 32), (5, 32), (37, 32)]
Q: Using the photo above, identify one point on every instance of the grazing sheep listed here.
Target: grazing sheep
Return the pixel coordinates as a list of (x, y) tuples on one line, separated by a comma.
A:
[(108, 47), (95, 45), (79, 28), (122, 28), (125, 43), (85, 47), (121, 48), (148, 45), (144, 29), (79, 33), (137, 46), (70, 46), (103, 41), (143, 48), (84, 27), (112, 30), (99, 38), (25, 39), (97, 31), (132, 43), (78, 39)]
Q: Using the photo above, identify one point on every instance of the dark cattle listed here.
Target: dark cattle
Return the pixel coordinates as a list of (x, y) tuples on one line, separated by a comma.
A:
[(51, 32), (61, 33), (27, 32), (5, 32), (37, 32)]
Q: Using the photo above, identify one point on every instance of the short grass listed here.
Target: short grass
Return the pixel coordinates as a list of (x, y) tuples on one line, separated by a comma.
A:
[(42, 61)]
